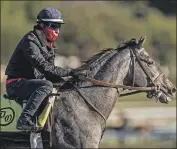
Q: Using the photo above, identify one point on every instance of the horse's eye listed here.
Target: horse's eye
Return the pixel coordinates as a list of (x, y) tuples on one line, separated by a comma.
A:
[(150, 61)]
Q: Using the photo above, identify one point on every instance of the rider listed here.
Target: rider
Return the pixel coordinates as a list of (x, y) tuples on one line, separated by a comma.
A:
[(31, 70)]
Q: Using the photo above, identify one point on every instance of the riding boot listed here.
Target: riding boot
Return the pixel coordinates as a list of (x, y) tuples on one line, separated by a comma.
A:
[(26, 125), (35, 100)]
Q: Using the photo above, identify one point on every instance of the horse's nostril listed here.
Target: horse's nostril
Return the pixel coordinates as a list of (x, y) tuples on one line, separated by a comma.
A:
[(173, 90)]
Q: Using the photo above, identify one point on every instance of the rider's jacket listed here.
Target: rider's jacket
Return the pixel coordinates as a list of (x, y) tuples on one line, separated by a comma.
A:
[(34, 59)]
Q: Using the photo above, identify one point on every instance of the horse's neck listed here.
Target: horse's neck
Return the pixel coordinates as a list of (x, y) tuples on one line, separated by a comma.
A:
[(101, 62), (113, 71)]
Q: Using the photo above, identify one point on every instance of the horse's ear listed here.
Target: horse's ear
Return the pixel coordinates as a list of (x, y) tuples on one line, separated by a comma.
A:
[(141, 41)]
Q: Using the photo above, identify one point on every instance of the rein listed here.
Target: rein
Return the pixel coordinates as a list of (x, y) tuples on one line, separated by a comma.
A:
[(107, 84)]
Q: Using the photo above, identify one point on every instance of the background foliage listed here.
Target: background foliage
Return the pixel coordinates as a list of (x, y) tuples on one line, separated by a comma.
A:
[(94, 25), (91, 26)]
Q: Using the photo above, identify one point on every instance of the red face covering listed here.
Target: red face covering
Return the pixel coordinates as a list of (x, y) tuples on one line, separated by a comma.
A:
[(51, 34)]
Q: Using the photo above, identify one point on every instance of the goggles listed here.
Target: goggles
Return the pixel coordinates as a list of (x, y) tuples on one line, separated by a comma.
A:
[(54, 26)]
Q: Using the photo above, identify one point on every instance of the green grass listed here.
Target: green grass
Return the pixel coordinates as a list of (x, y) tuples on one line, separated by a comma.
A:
[(138, 144), (130, 104)]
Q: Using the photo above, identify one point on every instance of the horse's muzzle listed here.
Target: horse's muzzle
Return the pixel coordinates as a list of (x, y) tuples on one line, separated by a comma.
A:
[(160, 96)]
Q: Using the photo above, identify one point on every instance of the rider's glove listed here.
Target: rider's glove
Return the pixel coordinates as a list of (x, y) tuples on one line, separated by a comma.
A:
[(76, 74)]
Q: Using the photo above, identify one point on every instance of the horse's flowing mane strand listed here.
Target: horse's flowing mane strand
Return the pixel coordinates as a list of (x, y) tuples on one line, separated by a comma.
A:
[(98, 55), (102, 53)]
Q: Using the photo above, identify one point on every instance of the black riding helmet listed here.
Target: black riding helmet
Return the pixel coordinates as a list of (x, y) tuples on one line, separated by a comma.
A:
[(50, 15)]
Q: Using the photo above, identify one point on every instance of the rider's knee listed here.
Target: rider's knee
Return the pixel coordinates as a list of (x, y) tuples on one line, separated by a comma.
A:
[(48, 85)]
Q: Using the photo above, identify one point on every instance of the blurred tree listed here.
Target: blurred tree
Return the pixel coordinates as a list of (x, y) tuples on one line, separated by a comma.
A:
[(93, 25), (163, 44), (141, 10), (168, 7)]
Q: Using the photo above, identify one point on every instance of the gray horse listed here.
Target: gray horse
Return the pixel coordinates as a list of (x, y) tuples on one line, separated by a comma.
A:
[(80, 113)]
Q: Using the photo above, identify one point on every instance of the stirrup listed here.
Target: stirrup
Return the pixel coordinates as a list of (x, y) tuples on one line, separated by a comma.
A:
[(37, 128), (35, 136)]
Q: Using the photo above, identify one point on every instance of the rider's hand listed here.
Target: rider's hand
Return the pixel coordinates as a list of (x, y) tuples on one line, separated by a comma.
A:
[(76, 74), (69, 71)]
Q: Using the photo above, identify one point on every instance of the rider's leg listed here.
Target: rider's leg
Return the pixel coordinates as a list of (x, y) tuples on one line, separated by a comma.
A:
[(35, 90)]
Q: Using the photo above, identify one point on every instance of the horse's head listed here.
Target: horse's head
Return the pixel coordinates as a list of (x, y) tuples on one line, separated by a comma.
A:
[(131, 65), (144, 72)]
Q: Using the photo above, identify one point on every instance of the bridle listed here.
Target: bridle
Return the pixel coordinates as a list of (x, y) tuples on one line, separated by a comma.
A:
[(134, 55)]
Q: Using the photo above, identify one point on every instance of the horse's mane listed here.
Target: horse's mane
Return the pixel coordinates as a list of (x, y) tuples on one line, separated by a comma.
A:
[(103, 55), (96, 57)]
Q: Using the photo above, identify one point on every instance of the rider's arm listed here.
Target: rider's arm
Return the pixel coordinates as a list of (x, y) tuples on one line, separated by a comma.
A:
[(33, 54)]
